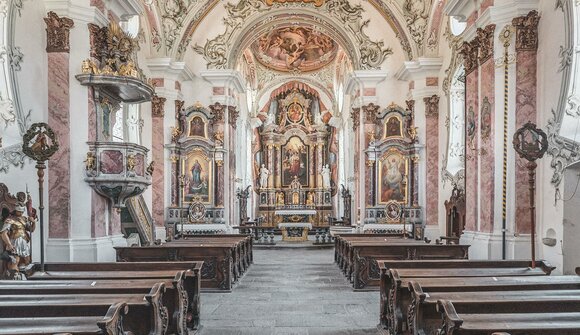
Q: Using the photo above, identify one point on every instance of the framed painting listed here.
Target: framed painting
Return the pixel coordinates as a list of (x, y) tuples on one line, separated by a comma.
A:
[(197, 127), (393, 178), (393, 127), (294, 162), (197, 168)]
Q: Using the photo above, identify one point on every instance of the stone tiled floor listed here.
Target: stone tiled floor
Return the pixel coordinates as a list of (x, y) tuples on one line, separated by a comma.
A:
[(291, 291)]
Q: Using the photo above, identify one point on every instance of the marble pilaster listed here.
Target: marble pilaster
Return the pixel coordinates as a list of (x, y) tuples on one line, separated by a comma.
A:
[(432, 154), (158, 156)]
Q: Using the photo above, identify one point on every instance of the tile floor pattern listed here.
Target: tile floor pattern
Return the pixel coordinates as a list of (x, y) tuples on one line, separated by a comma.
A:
[(291, 291)]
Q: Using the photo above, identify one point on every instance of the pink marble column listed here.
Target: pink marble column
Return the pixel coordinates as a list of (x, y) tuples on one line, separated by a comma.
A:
[(432, 157), (472, 154), (219, 198), (59, 219), (370, 183), (526, 87), (487, 127), (158, 156)]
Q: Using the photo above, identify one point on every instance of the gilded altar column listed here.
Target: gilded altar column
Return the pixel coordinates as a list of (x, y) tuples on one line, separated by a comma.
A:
[(319, 163), (278, 167), (370, 122)]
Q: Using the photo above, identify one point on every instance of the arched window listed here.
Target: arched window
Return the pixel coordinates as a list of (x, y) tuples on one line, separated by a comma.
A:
[(456, 139), (127, 127), (457, 28)]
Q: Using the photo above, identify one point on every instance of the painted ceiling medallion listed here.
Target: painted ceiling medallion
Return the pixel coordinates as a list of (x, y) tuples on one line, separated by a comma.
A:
[(295, 48), (317, 3)]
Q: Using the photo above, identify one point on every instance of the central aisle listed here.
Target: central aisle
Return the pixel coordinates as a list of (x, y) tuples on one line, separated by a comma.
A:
[(291, 291)]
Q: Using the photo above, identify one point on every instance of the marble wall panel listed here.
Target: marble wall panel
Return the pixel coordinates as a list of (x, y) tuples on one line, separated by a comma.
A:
[(59, 165), (98, 215), (111, 162), (139, 165), (526, 87), (488, 155)]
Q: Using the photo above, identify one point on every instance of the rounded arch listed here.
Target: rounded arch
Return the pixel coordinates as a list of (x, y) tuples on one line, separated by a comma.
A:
[(278, 18), (324, 94)]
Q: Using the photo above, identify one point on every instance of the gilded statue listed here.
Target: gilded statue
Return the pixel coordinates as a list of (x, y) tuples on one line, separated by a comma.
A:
[(219, 138), (310, 199), (150, 168), (15, 235), (131, 163), (280, 198), (91, 161)]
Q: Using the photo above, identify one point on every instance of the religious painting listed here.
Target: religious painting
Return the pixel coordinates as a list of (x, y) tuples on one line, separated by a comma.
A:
[(197, 168), (485, 119), (295, 113), (294, 162), (393, 127), (294, 48), (471, 125), (196, 127), (393, 173)]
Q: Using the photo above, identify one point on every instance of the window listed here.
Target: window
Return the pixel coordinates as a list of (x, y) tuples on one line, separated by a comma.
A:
[(456, 140), (128, 124), (457, 28), (131, 26), (118, 128)]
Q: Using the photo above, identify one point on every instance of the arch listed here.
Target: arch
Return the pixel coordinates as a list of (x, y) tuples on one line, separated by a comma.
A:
[(326, 97), (195, 18)]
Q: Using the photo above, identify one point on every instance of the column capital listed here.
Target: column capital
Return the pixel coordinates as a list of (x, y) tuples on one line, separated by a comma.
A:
[(57, 33), (431, 106), (158, 106)]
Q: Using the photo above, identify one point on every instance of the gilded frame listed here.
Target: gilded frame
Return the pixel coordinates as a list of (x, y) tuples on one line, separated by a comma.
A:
[(399, 173), (206, 174)]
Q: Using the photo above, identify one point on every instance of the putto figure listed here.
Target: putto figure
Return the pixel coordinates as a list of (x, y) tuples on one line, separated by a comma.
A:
[(15, 234)]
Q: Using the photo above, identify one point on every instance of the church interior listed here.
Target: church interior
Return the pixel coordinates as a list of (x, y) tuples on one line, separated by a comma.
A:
[(289, 167)]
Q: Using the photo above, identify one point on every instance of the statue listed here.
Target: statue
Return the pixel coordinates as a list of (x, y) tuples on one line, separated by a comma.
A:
[(310, 199), (325, 176), (280, 198), (90, 162), (15, 235), (264, 173)]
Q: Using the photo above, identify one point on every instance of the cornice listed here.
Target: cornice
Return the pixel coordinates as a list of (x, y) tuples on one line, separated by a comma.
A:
[(66, 8), (460, 9), (225, 78), (420, 69), (166, 68), (503, 13), (364, 79), (126, 8)]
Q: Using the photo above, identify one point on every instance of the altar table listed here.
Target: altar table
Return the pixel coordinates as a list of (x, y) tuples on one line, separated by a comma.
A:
[(295, 231)]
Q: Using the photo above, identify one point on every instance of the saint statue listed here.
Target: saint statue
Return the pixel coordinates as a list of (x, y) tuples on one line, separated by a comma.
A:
[(325, 176), (280, 198), (15, 235), (264, 173), (310, 199)]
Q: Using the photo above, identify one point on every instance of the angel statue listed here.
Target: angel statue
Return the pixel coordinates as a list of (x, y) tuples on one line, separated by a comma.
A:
[(15, 235)]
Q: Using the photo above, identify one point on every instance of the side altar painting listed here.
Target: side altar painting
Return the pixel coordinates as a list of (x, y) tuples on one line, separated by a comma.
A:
[(393, 172), (198, 172)]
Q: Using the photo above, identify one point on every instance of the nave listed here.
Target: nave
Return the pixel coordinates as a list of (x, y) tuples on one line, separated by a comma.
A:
[(291, 291)]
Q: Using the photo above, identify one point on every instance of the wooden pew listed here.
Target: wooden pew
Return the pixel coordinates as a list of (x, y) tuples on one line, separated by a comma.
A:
[(423, 318), (395, 276), (183, 286), (242, 255), (364, 271), (546, 322), (216, 272), (112, 323), (147, 314), (341, 244)]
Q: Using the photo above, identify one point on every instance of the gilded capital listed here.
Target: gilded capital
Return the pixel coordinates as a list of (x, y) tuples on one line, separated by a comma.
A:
[(470, 52), (57, 33), (432, 106), (485, 37), (354, 114), (527, 31), (233, 114), (371, 110), (158, 106), (217, 111)]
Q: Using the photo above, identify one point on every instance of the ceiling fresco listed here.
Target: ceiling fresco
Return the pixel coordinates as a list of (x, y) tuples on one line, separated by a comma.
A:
[(294, 48)]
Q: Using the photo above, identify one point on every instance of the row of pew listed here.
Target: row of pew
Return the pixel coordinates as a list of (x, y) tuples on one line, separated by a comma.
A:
[(103, 298), (152, 290), (356, 255), (225, 257), (434, 289)]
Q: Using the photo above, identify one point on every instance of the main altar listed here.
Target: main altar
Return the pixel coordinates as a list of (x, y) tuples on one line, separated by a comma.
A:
[(295, 156)]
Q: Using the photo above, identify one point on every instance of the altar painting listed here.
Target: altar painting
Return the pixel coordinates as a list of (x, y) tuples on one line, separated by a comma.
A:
[(197, 169), (197, 127), (393, 171), (294, 162), (393, 127)]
